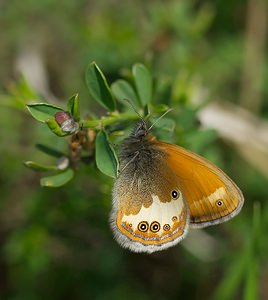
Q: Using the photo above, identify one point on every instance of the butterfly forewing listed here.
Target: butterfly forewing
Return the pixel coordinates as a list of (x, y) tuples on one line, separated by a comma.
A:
[(211, 195)]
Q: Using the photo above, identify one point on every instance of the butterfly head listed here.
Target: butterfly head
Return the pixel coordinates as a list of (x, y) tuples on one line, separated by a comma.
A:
[(140, 131)]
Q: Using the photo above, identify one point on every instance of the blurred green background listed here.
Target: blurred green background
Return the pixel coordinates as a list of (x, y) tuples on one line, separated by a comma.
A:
[(210, 59)]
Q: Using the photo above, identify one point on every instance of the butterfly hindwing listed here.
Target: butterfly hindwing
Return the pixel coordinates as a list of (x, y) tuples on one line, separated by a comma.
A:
[(149, 212)]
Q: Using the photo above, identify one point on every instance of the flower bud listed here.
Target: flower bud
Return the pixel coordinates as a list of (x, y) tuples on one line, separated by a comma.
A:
[(66, 121)]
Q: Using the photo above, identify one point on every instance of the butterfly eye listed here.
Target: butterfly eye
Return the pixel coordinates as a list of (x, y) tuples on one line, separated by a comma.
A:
[(143, 226), (219, 202), (175, 194), (155, 226)]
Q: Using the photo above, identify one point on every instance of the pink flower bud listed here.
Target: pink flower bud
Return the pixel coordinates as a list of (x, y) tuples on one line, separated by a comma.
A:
[(66, 122)]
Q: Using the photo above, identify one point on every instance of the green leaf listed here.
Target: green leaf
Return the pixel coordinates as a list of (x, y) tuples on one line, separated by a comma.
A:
[(251, 288), (58, 179), (144, 83), (234, 277), (198, 140), (254, 262), (19, 94), (39, 167), (123, 90), (50, 151), (43, 111), (146, 111), (73, 107), (160, 108), (257, 228), (166, 124), (106, 158), (98, 87), (55, 128), (165, 128)]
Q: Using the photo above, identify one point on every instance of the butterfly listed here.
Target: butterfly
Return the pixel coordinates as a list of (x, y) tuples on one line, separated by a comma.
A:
[(163, 189)]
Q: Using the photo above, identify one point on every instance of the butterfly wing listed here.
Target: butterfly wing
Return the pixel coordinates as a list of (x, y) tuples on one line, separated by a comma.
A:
[(211, 195), (149, 213)]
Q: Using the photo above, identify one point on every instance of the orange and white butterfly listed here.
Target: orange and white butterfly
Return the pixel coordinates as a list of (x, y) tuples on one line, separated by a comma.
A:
[(162, 189)]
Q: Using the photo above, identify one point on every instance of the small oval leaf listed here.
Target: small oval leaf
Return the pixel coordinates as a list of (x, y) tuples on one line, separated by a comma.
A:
[(43, 111), (58, 179), (166, 124), (160, 108), (39, 167), (123, 90), (106, 158), (55, 128), (144, 83), (50, 151), (73, 107), (165, 128), (98, 87), (146, 110)]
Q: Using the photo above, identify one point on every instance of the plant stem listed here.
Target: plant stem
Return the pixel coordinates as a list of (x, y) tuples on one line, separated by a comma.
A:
[(108, 120)]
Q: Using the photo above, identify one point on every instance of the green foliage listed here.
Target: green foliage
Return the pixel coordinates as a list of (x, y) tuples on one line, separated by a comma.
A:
[(245, 268), (143, 82), (20, 93), (38, 167), (55, 128), (57, 179), (123, 91), (55, 117), (43, 112), (98, 87), (106, 159), (73, 107)]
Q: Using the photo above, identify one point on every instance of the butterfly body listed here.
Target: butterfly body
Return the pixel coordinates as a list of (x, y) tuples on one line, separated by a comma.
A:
[(159, 192)]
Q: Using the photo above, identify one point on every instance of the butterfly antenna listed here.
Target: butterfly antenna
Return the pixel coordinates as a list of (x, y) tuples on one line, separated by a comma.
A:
[(158, 119), (133, 107)]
